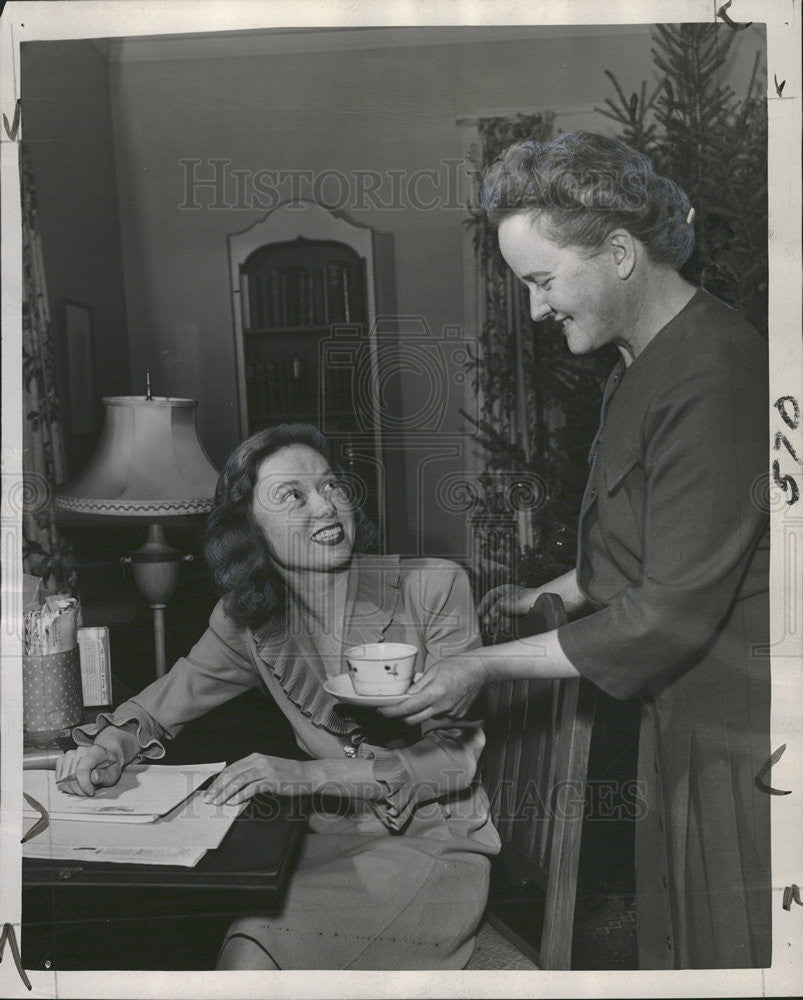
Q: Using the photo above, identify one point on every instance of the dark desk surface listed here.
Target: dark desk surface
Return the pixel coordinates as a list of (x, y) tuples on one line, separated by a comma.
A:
[(254, 855), (112, 916), (101, 916)]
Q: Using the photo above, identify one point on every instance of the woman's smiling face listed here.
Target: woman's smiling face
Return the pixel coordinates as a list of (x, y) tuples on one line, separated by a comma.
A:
[(582, 293), (303, 511)]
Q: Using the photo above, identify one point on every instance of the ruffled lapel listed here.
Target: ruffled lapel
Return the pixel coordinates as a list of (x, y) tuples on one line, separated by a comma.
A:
[(373, 596)]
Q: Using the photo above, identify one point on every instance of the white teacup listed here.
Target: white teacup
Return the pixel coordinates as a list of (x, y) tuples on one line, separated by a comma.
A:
[(381, 668)]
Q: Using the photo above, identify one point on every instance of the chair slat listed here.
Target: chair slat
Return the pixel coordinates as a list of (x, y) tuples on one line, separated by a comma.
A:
[(535, 763)]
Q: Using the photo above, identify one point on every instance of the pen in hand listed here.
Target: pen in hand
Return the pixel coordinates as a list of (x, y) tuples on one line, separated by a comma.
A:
[(93, 774)]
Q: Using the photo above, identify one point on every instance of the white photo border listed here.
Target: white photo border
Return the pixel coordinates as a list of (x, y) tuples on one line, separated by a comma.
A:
[(22, 22)]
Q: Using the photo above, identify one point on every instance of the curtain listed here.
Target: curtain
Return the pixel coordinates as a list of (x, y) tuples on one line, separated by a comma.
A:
[(45, 553)]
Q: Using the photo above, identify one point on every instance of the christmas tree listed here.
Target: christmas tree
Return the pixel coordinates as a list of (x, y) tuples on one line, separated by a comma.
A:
[(539, 404)]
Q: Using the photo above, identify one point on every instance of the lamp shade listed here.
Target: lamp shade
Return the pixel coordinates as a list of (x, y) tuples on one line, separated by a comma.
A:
[(149, 463)]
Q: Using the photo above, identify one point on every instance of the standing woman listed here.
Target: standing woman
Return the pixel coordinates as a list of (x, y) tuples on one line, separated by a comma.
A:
[(394, 873), (673, 557)]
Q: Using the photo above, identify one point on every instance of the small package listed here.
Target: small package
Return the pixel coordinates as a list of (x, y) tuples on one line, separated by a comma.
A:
[(96, 668), (51, 692), (51, 672)]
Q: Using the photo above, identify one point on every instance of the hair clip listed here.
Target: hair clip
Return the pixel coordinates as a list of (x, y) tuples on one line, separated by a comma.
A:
[(690, 216)]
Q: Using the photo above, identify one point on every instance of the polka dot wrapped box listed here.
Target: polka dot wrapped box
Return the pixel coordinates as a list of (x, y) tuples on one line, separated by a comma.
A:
[(51, 691), (51, 666)]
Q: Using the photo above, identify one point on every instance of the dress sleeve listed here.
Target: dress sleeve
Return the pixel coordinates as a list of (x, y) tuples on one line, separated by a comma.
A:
[(704, 455), (217, 669), (444, 761)]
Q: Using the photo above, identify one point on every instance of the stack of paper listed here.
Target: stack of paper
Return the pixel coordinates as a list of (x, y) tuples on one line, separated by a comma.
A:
[(154, 815)]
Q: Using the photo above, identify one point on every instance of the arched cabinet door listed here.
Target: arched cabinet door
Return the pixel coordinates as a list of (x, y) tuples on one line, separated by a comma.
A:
[(304, 310)]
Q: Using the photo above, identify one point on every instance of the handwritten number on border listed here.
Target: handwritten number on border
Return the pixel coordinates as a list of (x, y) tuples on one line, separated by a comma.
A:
[(10, 935), (765, 770), (782, 439), (781, 406), (723, 13), (791, 894), (789, 410)]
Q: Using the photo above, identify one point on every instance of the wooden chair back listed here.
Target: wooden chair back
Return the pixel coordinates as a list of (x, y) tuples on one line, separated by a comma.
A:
[(534, 768)]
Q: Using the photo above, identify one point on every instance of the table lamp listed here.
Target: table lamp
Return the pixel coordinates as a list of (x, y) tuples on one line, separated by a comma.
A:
[(149, 466)]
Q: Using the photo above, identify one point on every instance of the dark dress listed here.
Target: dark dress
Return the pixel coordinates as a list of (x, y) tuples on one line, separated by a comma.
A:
[(674, 555)]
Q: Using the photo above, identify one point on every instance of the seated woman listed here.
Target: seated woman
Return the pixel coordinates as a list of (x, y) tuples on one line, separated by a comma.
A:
[(396, 875)]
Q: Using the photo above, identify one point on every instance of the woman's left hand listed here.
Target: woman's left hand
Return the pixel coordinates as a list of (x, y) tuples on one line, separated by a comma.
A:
[(447, 688), (258, 773)]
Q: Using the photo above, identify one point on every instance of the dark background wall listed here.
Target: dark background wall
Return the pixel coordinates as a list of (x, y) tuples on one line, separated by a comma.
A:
[(69, 136)]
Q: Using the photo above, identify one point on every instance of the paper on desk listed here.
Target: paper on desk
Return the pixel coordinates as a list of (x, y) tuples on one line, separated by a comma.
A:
[(143, 793), (184, 857), (194, 824)]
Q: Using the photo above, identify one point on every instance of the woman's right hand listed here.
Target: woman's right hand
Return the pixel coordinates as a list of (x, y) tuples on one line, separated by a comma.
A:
[(507, 601), (81, 771)]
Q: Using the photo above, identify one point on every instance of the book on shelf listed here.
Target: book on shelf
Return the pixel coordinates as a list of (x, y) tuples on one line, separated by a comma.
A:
[(338, 390), (355, 283), (262, 398), (343, 390), (346, 303), (272, 382), (302, 312), (281, 388), (303, 399), (335, 294), (282, 310), (290, 291), (253, 299), (245, 299), (309, 299), (273, 318), (250, 385), (320, 304), (295, 296)]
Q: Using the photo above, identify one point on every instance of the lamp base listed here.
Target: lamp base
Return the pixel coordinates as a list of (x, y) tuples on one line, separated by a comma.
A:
[(159, 638), (156, 566)]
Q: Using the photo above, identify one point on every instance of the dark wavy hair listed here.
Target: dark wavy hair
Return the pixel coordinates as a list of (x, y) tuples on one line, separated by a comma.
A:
[(584, 186), (234, 546)]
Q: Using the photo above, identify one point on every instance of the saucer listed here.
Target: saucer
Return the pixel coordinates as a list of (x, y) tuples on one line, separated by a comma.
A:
[(342, 689)]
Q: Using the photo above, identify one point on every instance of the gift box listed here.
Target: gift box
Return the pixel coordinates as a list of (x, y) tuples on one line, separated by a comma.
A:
[(51, 691)]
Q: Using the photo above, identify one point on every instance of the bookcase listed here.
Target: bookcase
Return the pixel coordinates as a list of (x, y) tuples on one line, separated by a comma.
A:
[(303, 301)]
